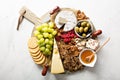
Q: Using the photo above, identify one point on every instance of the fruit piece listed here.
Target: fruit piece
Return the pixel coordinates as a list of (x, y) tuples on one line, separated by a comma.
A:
[(57, 38), (40, 36), (50, 36), (51, 42), (47, 51), (42, 44), (50, 30), (41, 41), (48, 46), (45, 34), (45, 25), (85, 29), (76, 29), (45, 29), (39, 28), (56, 66), (54, 33), (51, 24), (81, 29), (42, 48), (84, 35), (46, 41), (84, 23), (36, 33)]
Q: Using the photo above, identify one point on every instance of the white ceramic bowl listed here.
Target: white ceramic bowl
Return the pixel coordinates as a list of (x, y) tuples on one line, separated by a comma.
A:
[(92, 26), (91, 64)]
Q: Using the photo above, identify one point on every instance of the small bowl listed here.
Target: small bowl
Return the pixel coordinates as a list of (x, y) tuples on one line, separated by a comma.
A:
[(88, 34), (92, 63)]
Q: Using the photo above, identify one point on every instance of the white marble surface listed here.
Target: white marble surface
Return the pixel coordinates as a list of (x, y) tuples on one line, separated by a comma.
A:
[(15, 60)]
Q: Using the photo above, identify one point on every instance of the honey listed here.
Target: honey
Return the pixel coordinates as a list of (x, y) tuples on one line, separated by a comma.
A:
[(85, 54)]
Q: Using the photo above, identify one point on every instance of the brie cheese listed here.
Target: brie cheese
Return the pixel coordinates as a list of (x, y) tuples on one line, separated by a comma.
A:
[(69, 16)]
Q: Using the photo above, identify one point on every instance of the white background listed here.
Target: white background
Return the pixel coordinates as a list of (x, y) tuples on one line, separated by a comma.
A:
[(15, 60)]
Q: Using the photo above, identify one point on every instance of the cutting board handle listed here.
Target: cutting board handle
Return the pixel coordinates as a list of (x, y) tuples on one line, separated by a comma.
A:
[(29, 15)]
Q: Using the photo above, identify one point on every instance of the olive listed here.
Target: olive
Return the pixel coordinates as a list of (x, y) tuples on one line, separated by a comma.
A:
[(76, 29), (85, 29), (84, 35), (80, 33), (81, 29), (79, 24), (88, 25), (90, 30), (84, 23)]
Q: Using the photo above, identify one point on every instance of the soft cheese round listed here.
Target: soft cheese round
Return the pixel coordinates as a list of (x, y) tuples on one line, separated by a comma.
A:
[(69, 16)]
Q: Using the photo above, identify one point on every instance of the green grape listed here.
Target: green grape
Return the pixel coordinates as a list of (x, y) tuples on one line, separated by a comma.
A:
[(51, 42), (40, 36), (45, 29), (48, 46), (51, 24), (45, 25), (50, 36), (45, 34), (46, 41), (39, 28), (42, 49), (54, 33), (41, 40), (49, 53), (36, 33), (47, 50), (42, 44), (50, 30)]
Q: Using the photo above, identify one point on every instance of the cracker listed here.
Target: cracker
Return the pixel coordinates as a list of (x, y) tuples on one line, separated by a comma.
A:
[(41, 61), (35, 55), (32, 42), (40, 58), (34, 51)]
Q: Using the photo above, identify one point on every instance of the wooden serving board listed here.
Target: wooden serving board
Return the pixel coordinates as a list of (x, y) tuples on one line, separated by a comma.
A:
[(29, 15)]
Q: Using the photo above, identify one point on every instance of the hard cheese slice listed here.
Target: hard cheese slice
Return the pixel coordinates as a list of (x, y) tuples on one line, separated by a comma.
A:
[(57, 66)]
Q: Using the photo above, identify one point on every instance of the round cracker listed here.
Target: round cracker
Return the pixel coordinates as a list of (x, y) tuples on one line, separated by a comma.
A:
[(38, 56), (32, 42), (41, 61), (35, 55), (34, 51)]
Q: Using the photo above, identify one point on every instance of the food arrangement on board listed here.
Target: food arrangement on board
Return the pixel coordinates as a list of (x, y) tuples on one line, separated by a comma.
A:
[(62, 40)]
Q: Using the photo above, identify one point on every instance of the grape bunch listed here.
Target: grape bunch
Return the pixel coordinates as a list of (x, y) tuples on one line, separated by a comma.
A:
[(45, 34)]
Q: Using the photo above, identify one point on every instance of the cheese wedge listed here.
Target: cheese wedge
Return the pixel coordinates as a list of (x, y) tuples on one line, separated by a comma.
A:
[(56, 66)]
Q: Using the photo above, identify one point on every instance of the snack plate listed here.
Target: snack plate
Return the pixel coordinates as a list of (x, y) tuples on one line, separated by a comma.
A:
[(70, 61)]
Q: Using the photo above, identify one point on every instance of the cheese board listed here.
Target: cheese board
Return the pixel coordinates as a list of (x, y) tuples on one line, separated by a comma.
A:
[(63, 40)]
